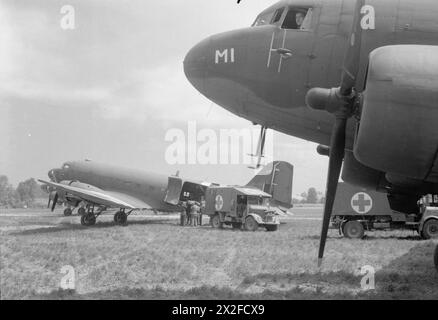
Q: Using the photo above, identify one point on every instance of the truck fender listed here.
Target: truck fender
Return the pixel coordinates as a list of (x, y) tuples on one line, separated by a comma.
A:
[(256, 217), (423, 221)]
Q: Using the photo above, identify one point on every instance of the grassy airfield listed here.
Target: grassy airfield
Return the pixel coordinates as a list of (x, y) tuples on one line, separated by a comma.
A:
[(154, 258)]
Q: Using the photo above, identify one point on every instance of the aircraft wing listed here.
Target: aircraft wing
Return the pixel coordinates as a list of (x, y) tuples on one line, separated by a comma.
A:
[(106, 198)]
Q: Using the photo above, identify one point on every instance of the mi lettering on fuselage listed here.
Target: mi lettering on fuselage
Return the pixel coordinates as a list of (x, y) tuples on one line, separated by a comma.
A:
[(225, 56)]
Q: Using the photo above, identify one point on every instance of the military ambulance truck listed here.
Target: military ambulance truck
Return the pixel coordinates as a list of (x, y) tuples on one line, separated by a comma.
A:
[(357, 210), (240, 207)]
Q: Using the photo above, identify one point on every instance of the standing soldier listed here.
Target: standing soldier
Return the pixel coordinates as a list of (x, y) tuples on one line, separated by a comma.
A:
[(188, 210), (202, 210), (194, 213), (183, 214)]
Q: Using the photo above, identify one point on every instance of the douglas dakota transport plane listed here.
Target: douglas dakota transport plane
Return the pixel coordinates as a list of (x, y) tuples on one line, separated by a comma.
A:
[(95, 187), (357, 77)]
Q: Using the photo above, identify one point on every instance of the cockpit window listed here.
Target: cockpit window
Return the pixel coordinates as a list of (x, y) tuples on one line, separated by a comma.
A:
[(263, 19), (298, 19), (277, 15)]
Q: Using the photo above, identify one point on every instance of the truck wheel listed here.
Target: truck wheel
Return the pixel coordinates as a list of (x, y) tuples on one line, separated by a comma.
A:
[(430, 229), (271, 228), (354, 230), (215, 222), (68, 212), (236, 225), (88, 220), (251, 224)]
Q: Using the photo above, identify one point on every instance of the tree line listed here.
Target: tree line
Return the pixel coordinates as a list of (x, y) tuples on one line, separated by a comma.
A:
[(24, 195)]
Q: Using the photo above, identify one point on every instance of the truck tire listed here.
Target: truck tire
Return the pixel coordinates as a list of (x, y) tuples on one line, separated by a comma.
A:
[(215, 222), (271, 227), (430, 229), (251, 224), (353, 230)]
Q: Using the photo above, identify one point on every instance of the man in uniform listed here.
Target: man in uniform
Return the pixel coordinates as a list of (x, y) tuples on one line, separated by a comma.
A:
[(194, 213)]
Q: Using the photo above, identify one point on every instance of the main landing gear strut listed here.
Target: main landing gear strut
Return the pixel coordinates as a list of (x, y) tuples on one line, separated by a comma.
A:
[(89, 218), (121, 217)]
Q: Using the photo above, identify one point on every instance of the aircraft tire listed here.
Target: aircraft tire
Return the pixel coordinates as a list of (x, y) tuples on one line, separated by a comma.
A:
[(68, 212), (81, 211), (215, 222), (430, 229), (271, 227), (120, 218), (88, 220), (251, 224), (354, 230)]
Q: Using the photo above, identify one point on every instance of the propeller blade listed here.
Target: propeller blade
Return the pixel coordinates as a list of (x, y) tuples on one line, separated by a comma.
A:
[(48, 204), (337, 152), (55, 201), (352, 56)]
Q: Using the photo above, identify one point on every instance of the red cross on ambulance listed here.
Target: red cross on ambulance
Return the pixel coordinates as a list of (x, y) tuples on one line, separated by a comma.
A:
[(361, 203)]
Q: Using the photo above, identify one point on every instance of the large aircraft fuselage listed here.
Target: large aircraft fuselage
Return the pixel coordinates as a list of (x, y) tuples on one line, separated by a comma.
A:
[(244, 72)]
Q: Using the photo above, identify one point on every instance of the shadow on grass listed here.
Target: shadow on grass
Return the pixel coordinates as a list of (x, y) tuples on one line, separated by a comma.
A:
[(99, 225), (411, 276)]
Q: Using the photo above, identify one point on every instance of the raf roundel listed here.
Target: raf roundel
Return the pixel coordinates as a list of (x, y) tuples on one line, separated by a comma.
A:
[(361, 203), (219, 202)]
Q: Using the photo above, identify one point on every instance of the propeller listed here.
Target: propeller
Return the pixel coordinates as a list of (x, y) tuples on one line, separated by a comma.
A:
[(55, 201), (341, 103)]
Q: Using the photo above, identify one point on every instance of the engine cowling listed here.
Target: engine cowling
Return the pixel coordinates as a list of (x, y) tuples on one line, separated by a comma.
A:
[(398, 131)]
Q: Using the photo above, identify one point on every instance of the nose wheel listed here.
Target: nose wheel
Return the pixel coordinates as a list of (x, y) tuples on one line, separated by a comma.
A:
[(88, 220)]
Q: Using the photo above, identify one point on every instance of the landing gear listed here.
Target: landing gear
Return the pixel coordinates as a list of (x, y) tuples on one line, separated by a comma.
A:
[(88, 219), (121, 217), (68, 212), (81, 211)]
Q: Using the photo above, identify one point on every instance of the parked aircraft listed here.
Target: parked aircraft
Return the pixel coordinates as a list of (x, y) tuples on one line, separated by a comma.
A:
[(94, 187), (358, 77)]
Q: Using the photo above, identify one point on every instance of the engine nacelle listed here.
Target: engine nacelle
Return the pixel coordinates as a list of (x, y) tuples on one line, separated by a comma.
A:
[(398, 130)]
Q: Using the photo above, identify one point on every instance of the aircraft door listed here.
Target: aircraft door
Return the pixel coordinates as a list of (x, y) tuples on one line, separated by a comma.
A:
[(173, 192)]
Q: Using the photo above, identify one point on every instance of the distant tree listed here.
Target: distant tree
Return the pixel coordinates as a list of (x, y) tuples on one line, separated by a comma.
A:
[(304, 196), (312, 196), (8, 196), (28, 191)]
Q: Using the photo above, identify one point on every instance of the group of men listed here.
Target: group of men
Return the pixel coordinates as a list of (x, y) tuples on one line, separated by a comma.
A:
[(192, 214)]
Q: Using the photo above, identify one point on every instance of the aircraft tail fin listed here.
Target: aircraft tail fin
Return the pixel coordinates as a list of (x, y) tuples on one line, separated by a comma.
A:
[(276, 178)]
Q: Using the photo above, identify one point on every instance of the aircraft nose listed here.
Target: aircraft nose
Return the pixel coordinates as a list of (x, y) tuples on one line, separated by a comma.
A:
[(195, 64)]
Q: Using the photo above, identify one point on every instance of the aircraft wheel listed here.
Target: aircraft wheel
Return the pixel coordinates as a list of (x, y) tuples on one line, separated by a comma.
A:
[(68, 212), (215, 222), (251, 224), (354, 230), (236, 225), (81, 211), (88, 219), (430, 229), (271, 227), (120, 218)]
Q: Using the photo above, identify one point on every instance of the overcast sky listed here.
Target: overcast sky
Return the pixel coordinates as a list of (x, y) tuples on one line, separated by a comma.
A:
[(110, 89)]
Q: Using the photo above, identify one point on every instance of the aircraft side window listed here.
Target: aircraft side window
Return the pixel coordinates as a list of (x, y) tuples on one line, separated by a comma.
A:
[(298, 19), (263, 19), (277, 15)]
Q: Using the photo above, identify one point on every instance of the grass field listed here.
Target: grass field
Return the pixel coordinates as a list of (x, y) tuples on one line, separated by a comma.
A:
[(154, 258)]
